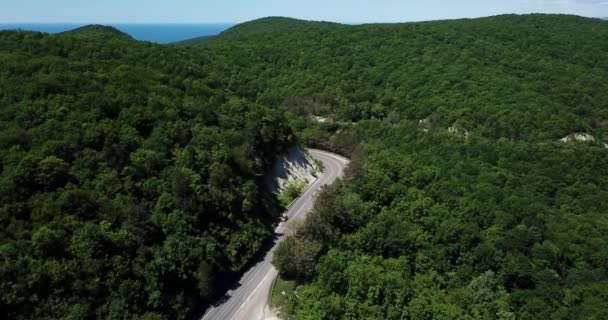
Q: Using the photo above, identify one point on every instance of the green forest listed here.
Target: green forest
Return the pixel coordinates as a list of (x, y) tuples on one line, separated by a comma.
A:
[(461, 201), (525, 78), (130, 184), (131, 173)]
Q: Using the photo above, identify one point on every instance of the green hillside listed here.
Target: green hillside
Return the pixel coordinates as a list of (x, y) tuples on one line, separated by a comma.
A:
[(535, 77), (129, 180), (273, 24), (261, 26), (130, 172), (192, 42), (462, 202), (98, 32)]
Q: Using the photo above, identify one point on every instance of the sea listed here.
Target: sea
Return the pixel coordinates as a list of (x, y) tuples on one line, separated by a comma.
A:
[(158, 33)]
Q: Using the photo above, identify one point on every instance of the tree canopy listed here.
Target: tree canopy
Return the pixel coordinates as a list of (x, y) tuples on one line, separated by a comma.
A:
[(131, 173), (461, 201), (532, 77), (130, 181)]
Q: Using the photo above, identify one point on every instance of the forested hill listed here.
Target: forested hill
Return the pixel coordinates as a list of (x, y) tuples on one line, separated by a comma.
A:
[(129, 183), (98, 32), (462, 201), (273, 24), (129, 180), (533, 77), (265, 26)]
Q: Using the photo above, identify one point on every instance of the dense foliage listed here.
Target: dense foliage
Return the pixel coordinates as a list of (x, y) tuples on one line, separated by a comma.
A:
[(130, 183), (271, 25), (461, 202), (527, 78), (440, 227), (99, 32), (255, 27)]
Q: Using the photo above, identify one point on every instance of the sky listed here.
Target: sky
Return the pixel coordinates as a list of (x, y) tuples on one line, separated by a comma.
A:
[(215, 11)]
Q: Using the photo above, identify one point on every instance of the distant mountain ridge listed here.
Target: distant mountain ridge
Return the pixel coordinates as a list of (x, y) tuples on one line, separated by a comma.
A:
[(282, 24), (364, 68), (273, 24), (98, 31), (259, 26)]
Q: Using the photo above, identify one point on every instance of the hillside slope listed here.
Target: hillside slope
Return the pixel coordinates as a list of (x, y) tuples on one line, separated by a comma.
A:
[(98, 32), (535, 77), (463, 200), (130, 182), (273, 24), (131, 173), (268, 25)]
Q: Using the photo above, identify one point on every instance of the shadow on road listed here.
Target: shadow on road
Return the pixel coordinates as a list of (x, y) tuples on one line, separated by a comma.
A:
[(276, 237), (234, 282), (221, 301)]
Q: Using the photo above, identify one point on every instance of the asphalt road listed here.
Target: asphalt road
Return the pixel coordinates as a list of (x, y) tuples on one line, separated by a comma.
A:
[(249, 300)]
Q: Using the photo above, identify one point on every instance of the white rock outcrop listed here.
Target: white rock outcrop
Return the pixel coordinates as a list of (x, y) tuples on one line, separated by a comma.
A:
[(295, 166), (425, 124), (458, 131), (578, 137), (320, 119)]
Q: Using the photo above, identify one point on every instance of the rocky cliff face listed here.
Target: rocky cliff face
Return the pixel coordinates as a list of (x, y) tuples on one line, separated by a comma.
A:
[(294, 167), (578, 137)]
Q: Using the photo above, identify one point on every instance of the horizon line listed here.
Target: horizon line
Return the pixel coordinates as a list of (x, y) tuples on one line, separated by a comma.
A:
[(110, 22), (238, 22)]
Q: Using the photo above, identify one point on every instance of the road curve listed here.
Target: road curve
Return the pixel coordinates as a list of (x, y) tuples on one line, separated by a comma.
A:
[(248, 301)]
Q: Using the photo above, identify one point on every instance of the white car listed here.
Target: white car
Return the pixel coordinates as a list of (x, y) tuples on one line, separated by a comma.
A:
[(284, 217)]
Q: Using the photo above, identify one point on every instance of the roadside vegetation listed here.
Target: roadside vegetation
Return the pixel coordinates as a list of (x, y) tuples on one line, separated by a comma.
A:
[(291, 192), (319, 167), (282, 293)]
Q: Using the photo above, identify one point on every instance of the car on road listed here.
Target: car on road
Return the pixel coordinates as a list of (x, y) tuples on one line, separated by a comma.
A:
[(284, 217)]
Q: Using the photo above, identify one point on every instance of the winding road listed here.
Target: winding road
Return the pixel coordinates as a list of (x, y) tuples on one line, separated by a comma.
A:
[(249, 300)]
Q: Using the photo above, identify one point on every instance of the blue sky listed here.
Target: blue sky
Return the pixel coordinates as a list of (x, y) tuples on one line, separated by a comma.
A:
[(195, 11)]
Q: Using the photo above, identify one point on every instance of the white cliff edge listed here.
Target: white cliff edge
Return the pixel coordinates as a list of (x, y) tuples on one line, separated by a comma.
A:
[(293, 167), (578, 137)]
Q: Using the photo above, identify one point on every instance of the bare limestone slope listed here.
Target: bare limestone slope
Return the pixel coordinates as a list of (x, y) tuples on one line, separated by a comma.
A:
[(293, 167)]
